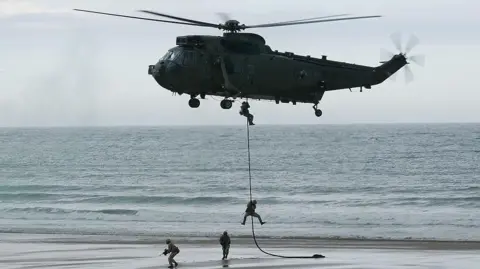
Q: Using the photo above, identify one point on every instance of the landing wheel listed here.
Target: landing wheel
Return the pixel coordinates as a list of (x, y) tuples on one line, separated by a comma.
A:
[(226, 104), (318, 112), (194, 103)]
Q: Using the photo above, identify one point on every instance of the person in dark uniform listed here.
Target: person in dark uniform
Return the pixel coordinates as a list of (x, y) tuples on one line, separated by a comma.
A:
[(244, 112), (225, 243), (173, 250), (250, 211)]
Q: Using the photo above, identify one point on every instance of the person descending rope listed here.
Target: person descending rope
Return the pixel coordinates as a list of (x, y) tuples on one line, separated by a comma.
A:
[(244, 112), (250, 211)]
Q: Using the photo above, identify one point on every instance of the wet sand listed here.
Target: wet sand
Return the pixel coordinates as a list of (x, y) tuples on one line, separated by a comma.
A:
[(48, 251)]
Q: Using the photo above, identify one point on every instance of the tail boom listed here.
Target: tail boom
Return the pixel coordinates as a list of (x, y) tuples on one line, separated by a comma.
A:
[(388, 68)]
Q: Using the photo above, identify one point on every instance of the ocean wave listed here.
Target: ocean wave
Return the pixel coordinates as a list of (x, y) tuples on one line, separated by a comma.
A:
[(29, 196), (117, 199), (150, 199), (126, 237), (55, 210), (180, 199), (40, 188), (185, 200), (438, 201)]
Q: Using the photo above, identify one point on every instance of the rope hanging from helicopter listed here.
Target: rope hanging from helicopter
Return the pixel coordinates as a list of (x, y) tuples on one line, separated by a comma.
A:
[(314, 256)]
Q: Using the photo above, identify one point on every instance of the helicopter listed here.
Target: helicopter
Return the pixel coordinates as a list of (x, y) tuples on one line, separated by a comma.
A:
[(242, 65)]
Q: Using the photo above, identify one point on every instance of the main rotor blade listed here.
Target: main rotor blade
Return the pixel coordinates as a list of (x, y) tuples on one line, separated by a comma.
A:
[(314, 18), (226, 17), (180, 18), (133, 17), (307, 22)]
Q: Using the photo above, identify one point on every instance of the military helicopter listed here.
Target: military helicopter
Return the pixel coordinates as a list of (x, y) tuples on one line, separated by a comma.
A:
[(242, 65)]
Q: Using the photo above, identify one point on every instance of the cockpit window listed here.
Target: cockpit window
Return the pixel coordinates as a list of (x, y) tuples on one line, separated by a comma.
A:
[(171, 55), (175, 55), (182, 56), (166, 56)]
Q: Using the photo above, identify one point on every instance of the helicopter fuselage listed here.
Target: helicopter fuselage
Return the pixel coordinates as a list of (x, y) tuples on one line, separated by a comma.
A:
[(241, 65)]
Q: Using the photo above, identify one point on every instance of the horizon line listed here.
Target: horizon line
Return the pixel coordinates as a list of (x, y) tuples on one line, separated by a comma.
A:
[(230, 125)]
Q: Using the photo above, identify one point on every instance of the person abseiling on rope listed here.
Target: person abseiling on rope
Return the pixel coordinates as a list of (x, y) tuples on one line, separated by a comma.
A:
[(244, 112), (250, 211), (225, 243), (173, 250)]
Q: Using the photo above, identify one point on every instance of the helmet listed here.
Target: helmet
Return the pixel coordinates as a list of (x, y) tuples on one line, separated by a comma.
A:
[(254, 201), (168, 241)]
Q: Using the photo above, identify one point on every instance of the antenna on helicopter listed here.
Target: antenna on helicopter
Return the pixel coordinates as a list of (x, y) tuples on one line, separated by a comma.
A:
[(230, 25)]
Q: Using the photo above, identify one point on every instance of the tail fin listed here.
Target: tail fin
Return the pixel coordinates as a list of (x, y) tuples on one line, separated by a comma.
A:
[(388, 68)]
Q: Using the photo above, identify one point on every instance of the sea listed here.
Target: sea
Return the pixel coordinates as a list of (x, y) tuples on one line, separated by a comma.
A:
[(392, 181)]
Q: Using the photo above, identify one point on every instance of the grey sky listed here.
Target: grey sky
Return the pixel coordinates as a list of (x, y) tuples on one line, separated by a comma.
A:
[(59, 67)]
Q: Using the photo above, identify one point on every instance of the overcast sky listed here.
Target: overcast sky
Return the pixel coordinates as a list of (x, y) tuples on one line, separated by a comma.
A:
[(59, 67)]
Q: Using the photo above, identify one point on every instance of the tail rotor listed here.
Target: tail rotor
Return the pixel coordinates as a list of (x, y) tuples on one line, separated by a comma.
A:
[(412, 42)]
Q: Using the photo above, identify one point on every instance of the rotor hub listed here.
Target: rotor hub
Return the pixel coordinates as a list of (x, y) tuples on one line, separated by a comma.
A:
[(232, 26)]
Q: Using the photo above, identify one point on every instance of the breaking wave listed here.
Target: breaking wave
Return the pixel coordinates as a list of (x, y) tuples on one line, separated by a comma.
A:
[(55, 210)]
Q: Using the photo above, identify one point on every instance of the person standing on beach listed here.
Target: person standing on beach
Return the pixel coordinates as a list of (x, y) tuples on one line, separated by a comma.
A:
[(225, 243), (250, 211), (173, 250)]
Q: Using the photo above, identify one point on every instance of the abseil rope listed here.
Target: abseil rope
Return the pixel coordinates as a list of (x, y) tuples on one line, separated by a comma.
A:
[(314, 256)]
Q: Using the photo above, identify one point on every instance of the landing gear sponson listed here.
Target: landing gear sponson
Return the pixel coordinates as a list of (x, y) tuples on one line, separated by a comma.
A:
[(318, 97), (318, 112), (227, 104), (195, 103)]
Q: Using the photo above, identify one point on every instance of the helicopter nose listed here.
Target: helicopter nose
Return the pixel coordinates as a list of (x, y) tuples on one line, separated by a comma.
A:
[(150, 69), (164, 73), (156, 69)]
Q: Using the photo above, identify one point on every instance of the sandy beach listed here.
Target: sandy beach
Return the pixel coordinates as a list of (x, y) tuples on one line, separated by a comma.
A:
[(57, 251)]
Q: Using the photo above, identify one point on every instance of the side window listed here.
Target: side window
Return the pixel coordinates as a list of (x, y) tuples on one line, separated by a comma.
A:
[(189, 58), (179, 57)]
